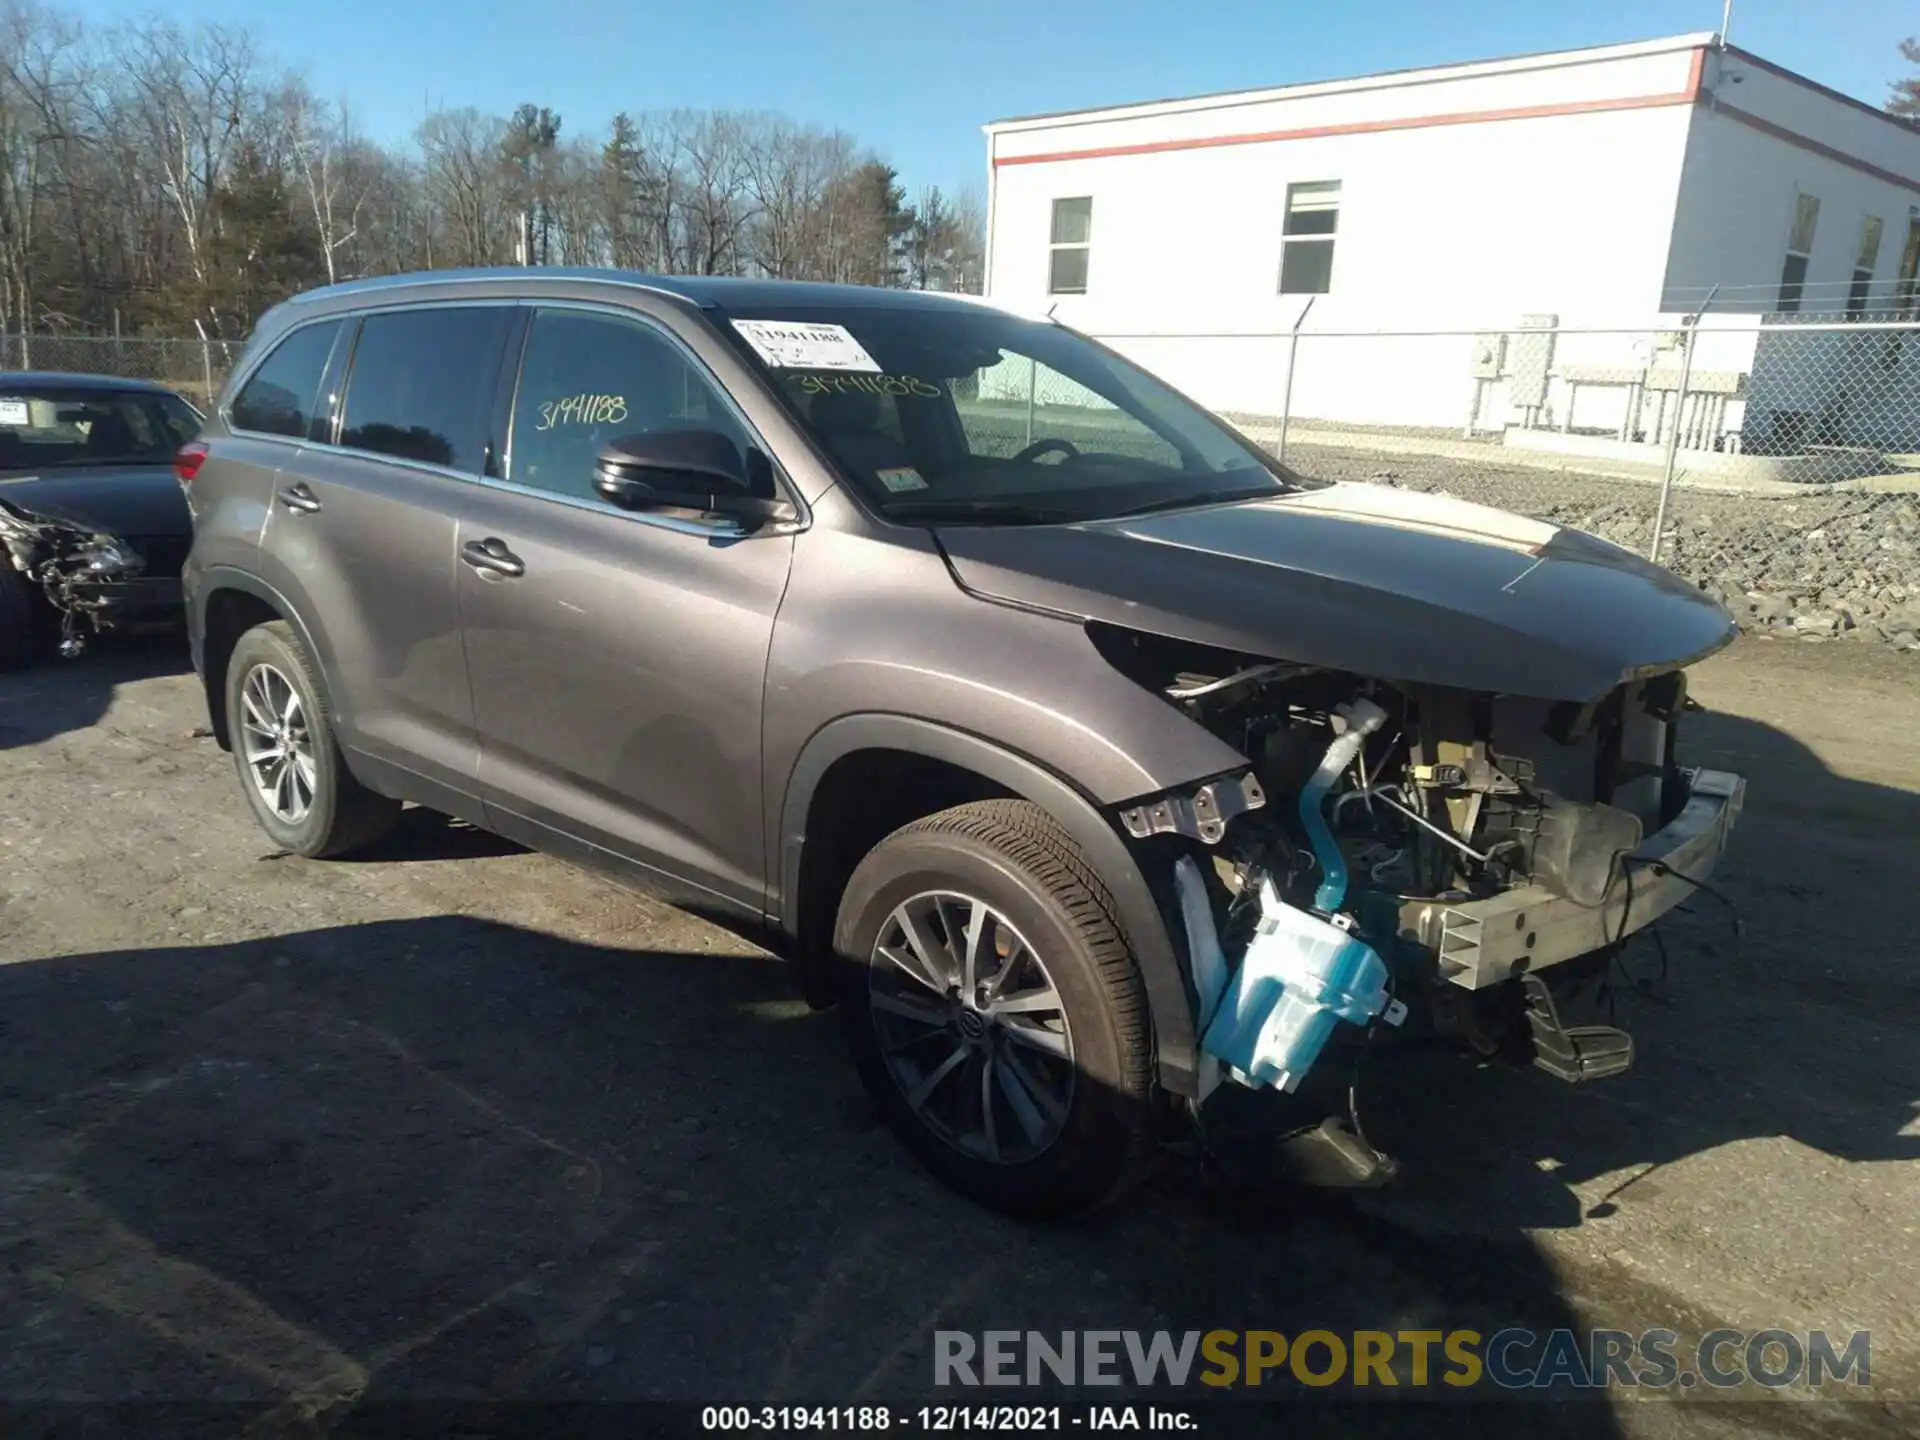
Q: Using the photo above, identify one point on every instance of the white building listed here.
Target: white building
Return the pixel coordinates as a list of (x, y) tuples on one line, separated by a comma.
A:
[(1608, 187)]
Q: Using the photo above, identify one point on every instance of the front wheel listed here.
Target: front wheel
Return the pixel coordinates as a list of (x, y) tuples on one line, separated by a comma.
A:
[(291, 770), (994, 1010)]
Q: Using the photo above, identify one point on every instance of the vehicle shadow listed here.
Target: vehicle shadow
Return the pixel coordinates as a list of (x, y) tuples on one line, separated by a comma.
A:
[(59, 696), (423, 834), (449, 1159)]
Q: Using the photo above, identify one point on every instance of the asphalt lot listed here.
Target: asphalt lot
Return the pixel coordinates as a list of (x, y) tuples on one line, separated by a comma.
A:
[(456, 1121)]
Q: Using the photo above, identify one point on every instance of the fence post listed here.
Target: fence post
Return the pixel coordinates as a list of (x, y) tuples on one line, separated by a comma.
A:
[(1690, 331), (1286, 396), (1033, 380), (206, 360)]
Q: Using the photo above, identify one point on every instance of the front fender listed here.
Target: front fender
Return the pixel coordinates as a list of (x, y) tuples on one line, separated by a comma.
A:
[(1141, 917)]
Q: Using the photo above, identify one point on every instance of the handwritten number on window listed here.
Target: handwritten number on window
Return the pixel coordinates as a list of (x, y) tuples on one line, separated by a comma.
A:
[(582, 409)]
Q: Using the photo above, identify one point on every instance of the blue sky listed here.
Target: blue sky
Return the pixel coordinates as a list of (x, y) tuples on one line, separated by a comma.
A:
[(915, 79)]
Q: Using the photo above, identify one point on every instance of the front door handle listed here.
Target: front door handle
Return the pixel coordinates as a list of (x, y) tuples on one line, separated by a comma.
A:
[(298, 497), (492, 557)]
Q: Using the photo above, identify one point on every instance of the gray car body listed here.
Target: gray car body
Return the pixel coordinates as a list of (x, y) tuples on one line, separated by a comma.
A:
[(665, 698)]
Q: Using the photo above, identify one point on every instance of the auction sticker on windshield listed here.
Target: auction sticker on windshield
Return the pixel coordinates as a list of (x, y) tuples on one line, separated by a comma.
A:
[(805, 345), (14, 412)]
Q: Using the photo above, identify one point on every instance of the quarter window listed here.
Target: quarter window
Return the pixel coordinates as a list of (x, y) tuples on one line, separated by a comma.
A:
[(587, 380), (279, 397), (1071, 244), (422, 384), (1793, 272), (1306, 249)]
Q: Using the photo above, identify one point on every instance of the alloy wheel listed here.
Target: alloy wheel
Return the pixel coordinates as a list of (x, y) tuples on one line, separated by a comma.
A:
[(971, 1027), (277, 743)]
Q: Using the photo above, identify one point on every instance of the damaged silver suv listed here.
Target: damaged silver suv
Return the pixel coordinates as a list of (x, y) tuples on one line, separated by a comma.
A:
[(1091, 761)]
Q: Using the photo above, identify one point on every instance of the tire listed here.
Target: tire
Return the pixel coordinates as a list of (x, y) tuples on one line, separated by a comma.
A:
[(1082, 1059), (340, 814), (29, 629)]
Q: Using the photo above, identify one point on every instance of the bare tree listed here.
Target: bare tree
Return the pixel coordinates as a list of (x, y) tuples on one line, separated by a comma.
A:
[(320, 143), (717, 201), (576, 205), (190, 94), (156, 177), (39, 77), (792, 169), (463, 182)]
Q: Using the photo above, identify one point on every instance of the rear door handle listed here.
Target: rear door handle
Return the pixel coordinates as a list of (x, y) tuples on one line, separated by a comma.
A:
[(492, 557), (298, 497)]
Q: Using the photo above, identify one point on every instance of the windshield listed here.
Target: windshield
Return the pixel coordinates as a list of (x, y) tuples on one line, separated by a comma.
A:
[(46, 429), (968, 415)]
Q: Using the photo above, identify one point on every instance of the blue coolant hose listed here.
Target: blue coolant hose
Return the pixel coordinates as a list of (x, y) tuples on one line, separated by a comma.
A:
[(1363, 717)]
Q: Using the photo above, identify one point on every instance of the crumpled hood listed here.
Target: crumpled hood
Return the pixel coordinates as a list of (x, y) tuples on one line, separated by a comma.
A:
[(1386, 583), (122, 500)]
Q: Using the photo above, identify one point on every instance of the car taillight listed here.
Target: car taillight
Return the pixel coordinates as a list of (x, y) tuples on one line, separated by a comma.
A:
[(187, 461)]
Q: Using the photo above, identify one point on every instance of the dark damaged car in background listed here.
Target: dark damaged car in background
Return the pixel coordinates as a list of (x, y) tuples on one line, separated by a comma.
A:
[(1099, 767), (93, 528)]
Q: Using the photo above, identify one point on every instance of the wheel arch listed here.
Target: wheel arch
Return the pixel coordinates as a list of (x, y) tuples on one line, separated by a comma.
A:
[(225, 606), (1001, 771)]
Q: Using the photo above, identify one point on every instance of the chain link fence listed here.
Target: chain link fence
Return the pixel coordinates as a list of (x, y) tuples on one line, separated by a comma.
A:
[(1773, 461), (194, 367)]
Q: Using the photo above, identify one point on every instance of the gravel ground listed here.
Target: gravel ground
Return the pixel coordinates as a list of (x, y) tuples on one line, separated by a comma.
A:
[(1844, 563), (455, 1121)]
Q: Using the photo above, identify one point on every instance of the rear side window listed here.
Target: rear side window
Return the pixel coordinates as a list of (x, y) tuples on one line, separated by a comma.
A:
[(422, 384), (279, 399)]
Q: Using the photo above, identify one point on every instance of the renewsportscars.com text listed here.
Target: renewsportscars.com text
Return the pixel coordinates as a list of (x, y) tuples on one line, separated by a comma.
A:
[(1512, 1359)]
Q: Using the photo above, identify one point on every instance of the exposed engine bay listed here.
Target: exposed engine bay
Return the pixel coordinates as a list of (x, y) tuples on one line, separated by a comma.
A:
[(1491, 851), (80, 571), (1450, 794)]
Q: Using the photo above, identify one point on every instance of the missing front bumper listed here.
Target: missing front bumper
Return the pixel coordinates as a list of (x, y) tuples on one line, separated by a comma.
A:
[(1479, 943)]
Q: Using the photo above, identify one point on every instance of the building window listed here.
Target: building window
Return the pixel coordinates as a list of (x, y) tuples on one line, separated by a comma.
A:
[(1793, 274), (1306, 252), (1072, 238), (1907, 290), (1863, 263)]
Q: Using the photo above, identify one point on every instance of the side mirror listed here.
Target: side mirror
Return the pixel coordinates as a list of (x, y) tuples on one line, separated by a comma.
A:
[(687, 470)]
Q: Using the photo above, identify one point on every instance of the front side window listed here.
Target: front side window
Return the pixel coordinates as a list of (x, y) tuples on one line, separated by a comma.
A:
[(72, 427), (1306, 246), (589, 379), (278, 399), (1071, 243), (976, 415), (1793, 272), (421, 384)]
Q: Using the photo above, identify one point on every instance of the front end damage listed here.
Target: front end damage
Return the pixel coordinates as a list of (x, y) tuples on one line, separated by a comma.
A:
[(93, 581), (1414, 859)]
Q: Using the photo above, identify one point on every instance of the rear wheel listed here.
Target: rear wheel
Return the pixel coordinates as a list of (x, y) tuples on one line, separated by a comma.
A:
[(291, 769), (993, 1008)]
